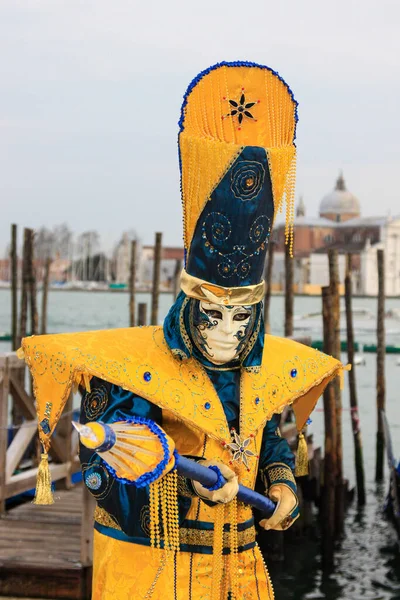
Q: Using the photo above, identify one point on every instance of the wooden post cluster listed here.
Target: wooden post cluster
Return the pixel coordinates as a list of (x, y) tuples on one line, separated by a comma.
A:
[(328, 503), (32, 283), (177, 274), (14, 287), (335, 352), (289, 301), (24, 288), (156, 279), (28, 290), (355, 421), (132, 284), (380, 366), (142, 314), (45, 293), (4, 391), (333, 500)]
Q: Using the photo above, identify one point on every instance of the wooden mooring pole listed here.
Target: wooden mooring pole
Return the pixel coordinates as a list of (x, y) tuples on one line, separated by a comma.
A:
[(24, 288), (132, 284), (335, 352), (268, 283), (45, 294), (32, 284), (14, 287), (380, 366), (142, 314), (4, 391), (156, 279), (328, 500), (288, 292), (176, 280), (355, 420)]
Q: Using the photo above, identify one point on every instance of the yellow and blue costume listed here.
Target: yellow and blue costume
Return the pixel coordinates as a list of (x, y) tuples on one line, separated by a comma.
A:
[(237, 157)]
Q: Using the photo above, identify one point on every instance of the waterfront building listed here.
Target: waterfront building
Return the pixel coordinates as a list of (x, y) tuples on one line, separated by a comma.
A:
[(341, 226), (169, 258), (122, 258), (145, 263)]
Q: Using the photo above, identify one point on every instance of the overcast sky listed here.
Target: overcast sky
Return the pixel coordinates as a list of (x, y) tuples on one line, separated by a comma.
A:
[(90, 93)]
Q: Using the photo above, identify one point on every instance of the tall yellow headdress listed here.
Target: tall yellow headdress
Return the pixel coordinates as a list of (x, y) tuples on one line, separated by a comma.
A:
[(238, 165)]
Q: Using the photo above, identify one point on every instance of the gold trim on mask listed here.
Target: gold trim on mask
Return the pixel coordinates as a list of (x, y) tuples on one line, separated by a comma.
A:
[(210, 292)]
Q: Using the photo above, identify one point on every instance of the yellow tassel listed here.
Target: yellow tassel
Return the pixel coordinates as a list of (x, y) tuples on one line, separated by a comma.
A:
[(301, 457), (43, 494), (86, 380), (341, 375)]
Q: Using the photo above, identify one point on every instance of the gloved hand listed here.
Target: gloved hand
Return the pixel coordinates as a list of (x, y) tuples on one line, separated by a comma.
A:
[(286, 501), (227, 492)]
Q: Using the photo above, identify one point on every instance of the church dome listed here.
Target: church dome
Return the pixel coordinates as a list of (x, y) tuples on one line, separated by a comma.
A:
[(339, 205)]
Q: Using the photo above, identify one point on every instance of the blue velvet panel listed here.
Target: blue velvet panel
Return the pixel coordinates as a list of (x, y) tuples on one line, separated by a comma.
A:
[(126, 503), (275, 449), (232, 234)]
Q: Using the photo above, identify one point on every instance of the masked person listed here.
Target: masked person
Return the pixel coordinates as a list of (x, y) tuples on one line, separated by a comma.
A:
[(210, 378)]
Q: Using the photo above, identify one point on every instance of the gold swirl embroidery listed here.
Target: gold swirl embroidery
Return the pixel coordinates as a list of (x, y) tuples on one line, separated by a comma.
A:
[(178, 353), (102, 517), (95, 402), (145, 519), (182, 328)]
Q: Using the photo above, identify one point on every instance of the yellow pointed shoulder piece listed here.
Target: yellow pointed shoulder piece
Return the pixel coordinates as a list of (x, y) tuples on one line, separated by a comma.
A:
[(137, 359), (291, 374)]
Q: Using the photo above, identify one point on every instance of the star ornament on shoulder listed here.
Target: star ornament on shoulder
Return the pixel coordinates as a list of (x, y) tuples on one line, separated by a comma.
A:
[(240, 109), (239, 449)]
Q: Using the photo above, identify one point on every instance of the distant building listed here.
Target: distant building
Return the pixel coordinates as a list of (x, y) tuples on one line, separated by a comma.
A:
[(341, 226), (122, 258), (144, 265), (339, 205), (59, 269)]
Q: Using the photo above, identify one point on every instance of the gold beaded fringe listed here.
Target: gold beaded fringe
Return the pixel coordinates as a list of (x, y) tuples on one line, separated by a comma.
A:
[(164, 524), (290, 186), (164, 514)]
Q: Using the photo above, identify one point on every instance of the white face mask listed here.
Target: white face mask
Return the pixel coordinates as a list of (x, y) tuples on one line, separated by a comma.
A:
[(223, 330)]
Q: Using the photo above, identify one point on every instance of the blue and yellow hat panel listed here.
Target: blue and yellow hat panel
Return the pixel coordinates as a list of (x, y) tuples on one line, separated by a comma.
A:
[(238, 158)]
